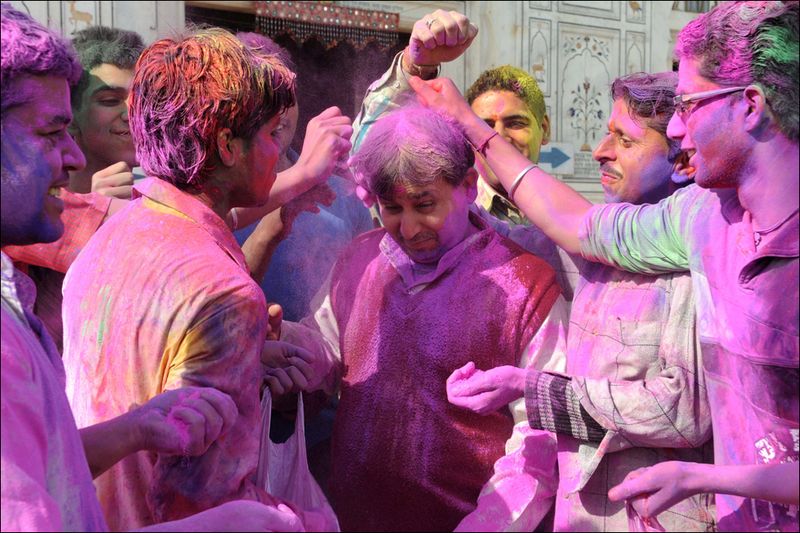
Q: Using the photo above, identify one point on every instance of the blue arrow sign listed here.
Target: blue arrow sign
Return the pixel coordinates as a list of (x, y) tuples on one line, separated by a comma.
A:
[(553, 157)]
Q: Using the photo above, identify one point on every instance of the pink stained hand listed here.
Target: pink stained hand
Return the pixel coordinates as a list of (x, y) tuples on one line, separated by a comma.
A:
[(326, 145), (115, 181), (289, 368), (485, 391), (442, 95), (654, 489), (184, 421), (440, 37)]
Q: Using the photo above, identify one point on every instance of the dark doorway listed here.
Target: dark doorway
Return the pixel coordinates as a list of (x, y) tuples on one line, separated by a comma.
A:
[(326, 75)]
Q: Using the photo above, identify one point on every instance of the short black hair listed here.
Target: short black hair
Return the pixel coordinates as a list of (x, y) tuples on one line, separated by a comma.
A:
[(98, 45)]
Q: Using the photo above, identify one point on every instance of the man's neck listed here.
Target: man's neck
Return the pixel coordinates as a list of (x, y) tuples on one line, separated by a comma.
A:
[(769, 188), (216, 201)]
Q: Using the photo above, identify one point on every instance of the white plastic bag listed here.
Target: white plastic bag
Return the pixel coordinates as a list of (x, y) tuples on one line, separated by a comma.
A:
[(283, 469)]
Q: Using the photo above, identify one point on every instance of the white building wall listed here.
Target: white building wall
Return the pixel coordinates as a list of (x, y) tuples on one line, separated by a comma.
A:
[(150, 19)]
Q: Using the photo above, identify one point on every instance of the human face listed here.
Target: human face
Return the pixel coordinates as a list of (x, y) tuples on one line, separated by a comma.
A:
[(714, 141), (427, 222), (511, 119), (101, 122), (260, 158), (633, 160), (36, 169)]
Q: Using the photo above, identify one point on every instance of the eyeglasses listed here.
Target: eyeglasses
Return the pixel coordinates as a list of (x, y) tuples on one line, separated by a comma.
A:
[(682, 101)]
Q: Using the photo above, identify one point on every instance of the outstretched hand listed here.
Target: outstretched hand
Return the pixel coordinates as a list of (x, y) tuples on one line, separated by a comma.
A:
[(440, 37), (442, 95), (485, 391)]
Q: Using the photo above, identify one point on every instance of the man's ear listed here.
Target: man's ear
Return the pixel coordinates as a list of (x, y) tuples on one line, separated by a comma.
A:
[(229, 148), (759, 116), (545, 130), (471, 184)]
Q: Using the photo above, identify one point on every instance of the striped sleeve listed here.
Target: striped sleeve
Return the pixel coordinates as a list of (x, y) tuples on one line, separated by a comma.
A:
[(551, 405)]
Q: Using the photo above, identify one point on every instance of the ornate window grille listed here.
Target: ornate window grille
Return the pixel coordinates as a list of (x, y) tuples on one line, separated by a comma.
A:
[(328, 22)]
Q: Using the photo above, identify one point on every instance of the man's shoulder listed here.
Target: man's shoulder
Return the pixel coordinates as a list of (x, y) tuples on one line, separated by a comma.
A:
[(506, 250)]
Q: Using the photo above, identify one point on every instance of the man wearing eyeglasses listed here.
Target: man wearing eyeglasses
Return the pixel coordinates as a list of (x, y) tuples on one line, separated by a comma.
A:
[(736, 232)]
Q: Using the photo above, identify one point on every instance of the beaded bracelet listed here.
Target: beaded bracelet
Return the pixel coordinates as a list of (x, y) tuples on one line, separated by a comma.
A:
[(518, 180)]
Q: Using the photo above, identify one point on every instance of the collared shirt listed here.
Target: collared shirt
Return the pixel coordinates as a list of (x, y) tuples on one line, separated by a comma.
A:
[(46, 484), (635, 396), (519, 491), (497, 205), (746, 291), (161, 298), (46, 263)]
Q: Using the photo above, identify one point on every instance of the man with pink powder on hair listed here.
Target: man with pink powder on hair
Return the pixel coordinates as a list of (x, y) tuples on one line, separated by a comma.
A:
[(735, 231), (436, 288), (47, 464), (169, 264)]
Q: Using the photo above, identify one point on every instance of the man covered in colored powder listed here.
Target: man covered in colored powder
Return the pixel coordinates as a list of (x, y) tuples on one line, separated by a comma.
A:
[(160, 298), (735, 231), (437, 287), (47, 464), (507, 98), (636, 395), (100, 129), (511, 102)]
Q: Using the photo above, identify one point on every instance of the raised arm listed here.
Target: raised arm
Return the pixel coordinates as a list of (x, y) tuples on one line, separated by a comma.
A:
[(436, 38), (656, 488), (553, 206)]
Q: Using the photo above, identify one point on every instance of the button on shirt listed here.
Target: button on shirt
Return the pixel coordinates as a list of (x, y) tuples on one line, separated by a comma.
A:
[(160, 298)]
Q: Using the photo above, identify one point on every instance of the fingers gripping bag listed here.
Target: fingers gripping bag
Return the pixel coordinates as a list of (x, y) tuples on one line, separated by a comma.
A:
[(283, 470)]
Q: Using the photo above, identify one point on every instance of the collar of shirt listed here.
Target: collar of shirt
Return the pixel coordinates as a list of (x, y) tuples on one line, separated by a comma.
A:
[(496, 204), (18, 290), (409, 271), (778, 241), (185, 205)]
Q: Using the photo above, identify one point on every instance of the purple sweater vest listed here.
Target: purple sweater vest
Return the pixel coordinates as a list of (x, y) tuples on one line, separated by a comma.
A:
[(403, 458)]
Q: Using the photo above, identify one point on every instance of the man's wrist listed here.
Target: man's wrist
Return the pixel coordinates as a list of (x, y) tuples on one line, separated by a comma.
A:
[(130, 428), (425, 72), (479, 133)]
